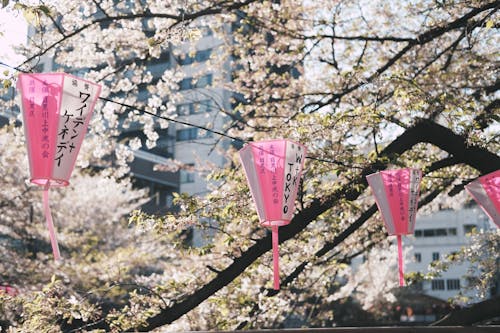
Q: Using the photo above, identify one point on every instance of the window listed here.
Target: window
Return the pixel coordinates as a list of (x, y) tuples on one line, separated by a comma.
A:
[(184, 109), (429, 232), (435, 255), (418, 257), (200, 56), (468, 228), (187, 176), (439, 232), (192, 134), (187, 134), (202, 106), (186, 84), (453, 284), (203, 55), (204, 134), (437, 284), (202, 82)]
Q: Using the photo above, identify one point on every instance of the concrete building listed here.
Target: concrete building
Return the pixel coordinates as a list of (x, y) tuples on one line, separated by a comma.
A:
[(202, 99), (437, 236)]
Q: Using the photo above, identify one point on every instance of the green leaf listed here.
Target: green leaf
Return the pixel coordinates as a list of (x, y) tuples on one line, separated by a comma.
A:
[(7, 84), (44, 9), (5, 3)]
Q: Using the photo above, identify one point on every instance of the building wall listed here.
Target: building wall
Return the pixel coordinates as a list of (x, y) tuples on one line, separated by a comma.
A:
[(436, 236), (201, 106)]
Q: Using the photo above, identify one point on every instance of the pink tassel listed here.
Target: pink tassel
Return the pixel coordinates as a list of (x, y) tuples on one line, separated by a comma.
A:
[(400, 262), (276, 264), (50, 223)]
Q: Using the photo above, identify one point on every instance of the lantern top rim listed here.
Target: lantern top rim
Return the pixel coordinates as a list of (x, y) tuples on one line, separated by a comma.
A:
[(61, 74), (253, 143)]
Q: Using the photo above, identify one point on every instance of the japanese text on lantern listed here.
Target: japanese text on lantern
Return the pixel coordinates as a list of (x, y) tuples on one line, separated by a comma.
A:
[(414, 190), (262, 167), (31, 98), (291, 179), (274, 179), (73, 123), (401, 198), (45, 120)]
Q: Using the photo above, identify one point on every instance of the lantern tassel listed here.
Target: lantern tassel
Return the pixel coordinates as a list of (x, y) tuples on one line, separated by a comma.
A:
[(50, 223), (400, 261), (276, 258)]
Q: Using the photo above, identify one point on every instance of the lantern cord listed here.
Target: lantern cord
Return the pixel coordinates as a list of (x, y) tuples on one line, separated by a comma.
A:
[(213, 131), (400, 262), (132, 107), (172, 119), (276, 258), (50, 223)]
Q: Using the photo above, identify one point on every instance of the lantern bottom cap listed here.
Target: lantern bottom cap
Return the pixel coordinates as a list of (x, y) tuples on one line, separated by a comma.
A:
[(276, 223), (401, 233), (50, 182)]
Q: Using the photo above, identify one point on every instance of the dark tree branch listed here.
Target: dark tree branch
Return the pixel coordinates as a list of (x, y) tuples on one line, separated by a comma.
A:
[(474, 314), (422, 39), (330, 245), (366, 38), (424, 131), (185, 17)]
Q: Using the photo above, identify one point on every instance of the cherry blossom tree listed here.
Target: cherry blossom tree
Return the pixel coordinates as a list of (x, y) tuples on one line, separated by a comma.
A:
[(365, 85)]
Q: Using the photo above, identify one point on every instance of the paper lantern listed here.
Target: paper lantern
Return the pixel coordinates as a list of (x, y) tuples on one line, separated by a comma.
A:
[(273, 169), (396, 193), (9, 290), (486, 191), (56, 111)]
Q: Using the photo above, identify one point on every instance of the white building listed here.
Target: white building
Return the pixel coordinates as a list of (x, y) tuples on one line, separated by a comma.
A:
[(203, 99), (436, 236)]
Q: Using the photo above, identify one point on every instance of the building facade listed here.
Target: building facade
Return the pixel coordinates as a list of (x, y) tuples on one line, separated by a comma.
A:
[(202, 99), (438, 235)]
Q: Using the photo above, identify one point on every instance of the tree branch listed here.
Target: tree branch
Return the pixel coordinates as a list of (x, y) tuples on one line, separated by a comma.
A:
[(424, 131), (474, 314), (422, 39), (178, 18)]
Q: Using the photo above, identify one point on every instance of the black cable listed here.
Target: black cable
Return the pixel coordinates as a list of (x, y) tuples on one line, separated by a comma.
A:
[(132, 107)]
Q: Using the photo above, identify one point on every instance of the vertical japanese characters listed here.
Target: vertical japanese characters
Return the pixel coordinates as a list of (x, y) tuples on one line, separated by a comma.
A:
[(74, 110)]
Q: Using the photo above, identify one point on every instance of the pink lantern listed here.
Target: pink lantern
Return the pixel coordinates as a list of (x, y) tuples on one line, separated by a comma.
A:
[(396, 193), (486, 191), (56, 111), (11, 291), (273, 169)]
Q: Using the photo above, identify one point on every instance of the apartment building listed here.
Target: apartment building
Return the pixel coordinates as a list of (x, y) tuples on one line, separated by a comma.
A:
[(438, 235)]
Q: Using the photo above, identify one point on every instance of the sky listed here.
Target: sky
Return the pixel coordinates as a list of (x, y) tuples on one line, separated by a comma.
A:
[(13, 31)]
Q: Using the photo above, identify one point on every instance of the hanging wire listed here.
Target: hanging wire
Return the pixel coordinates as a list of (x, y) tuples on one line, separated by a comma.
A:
[(141, 110), (174, 120)]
